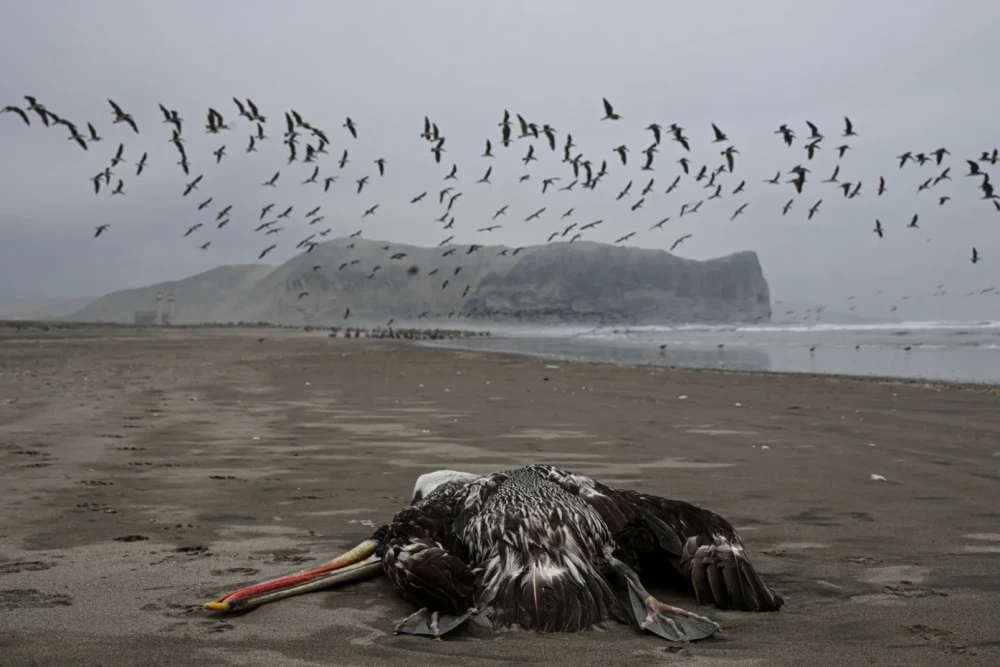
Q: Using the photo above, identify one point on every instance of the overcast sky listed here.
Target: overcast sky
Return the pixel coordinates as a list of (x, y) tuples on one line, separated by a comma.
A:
[(913, 75)]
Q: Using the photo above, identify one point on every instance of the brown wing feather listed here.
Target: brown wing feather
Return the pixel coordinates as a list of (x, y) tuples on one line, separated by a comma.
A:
[(423, 559), (701, 545)]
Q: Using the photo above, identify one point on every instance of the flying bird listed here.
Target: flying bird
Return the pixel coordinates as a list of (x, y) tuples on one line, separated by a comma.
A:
[(679, 241), (609, 112), (655, 129), (17, 110), (193, 185), (622, 151), (728, 153), (118, 159), (122, 117), (787, 134)]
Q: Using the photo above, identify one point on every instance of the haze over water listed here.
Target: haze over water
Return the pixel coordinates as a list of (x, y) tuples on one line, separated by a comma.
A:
[(951, 351)]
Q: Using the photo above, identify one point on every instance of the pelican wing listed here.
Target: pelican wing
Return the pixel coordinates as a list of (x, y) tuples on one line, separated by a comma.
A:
[(424, 561), (537, 551), (699, 544)]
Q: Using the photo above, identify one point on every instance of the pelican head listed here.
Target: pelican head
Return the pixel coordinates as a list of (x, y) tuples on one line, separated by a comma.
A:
[(427, 482)]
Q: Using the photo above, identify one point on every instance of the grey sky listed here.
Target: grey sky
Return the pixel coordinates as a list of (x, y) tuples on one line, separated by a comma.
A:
[(912, 75)]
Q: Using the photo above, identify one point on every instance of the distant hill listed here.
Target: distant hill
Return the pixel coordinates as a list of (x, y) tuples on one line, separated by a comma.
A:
[(205, 297), (557, 283), (49, 310)]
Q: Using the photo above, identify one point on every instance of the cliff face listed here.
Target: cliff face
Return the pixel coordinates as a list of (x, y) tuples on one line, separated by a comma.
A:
[(559, 283), (597, 282)]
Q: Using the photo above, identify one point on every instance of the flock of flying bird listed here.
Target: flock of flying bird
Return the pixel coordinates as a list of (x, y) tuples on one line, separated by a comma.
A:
[(310, 145)]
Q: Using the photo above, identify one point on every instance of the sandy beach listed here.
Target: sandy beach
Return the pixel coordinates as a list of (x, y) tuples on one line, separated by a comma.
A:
[(144, 472)]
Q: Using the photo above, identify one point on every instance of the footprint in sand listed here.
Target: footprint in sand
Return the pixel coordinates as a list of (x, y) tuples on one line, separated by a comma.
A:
[(860, 560), (25, 598), (248, 571), (907, 589), (218, 626), (290, 558), (179, 526), (25, 566), (945, 639), (194, 550), (93, 507)]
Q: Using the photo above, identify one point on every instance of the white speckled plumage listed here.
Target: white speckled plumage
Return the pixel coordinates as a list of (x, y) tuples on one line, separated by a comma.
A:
[(539, 547)]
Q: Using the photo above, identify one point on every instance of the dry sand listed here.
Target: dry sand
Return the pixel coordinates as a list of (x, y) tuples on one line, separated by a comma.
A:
[(144, 472)]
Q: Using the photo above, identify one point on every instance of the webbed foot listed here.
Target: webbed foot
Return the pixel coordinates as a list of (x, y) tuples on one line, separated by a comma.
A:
[(431, 623), (672, 623)]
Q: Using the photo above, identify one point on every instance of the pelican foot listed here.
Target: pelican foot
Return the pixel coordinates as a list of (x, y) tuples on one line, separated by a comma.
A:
[(672, 623), (431, 623)]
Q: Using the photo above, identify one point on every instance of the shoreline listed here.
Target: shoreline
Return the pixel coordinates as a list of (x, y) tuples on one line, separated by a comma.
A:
[(457, 345)]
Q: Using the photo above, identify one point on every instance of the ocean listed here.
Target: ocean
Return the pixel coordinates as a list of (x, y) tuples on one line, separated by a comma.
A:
[(950, 351)]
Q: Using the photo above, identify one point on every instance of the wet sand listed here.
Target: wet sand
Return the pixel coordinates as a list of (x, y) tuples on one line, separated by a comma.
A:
[(145, 472)]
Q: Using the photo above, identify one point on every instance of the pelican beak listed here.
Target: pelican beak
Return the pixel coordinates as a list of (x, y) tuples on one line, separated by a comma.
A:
[(358, 563)]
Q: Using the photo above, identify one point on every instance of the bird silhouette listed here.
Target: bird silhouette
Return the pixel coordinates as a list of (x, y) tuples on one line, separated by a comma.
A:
[(609, 112)]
